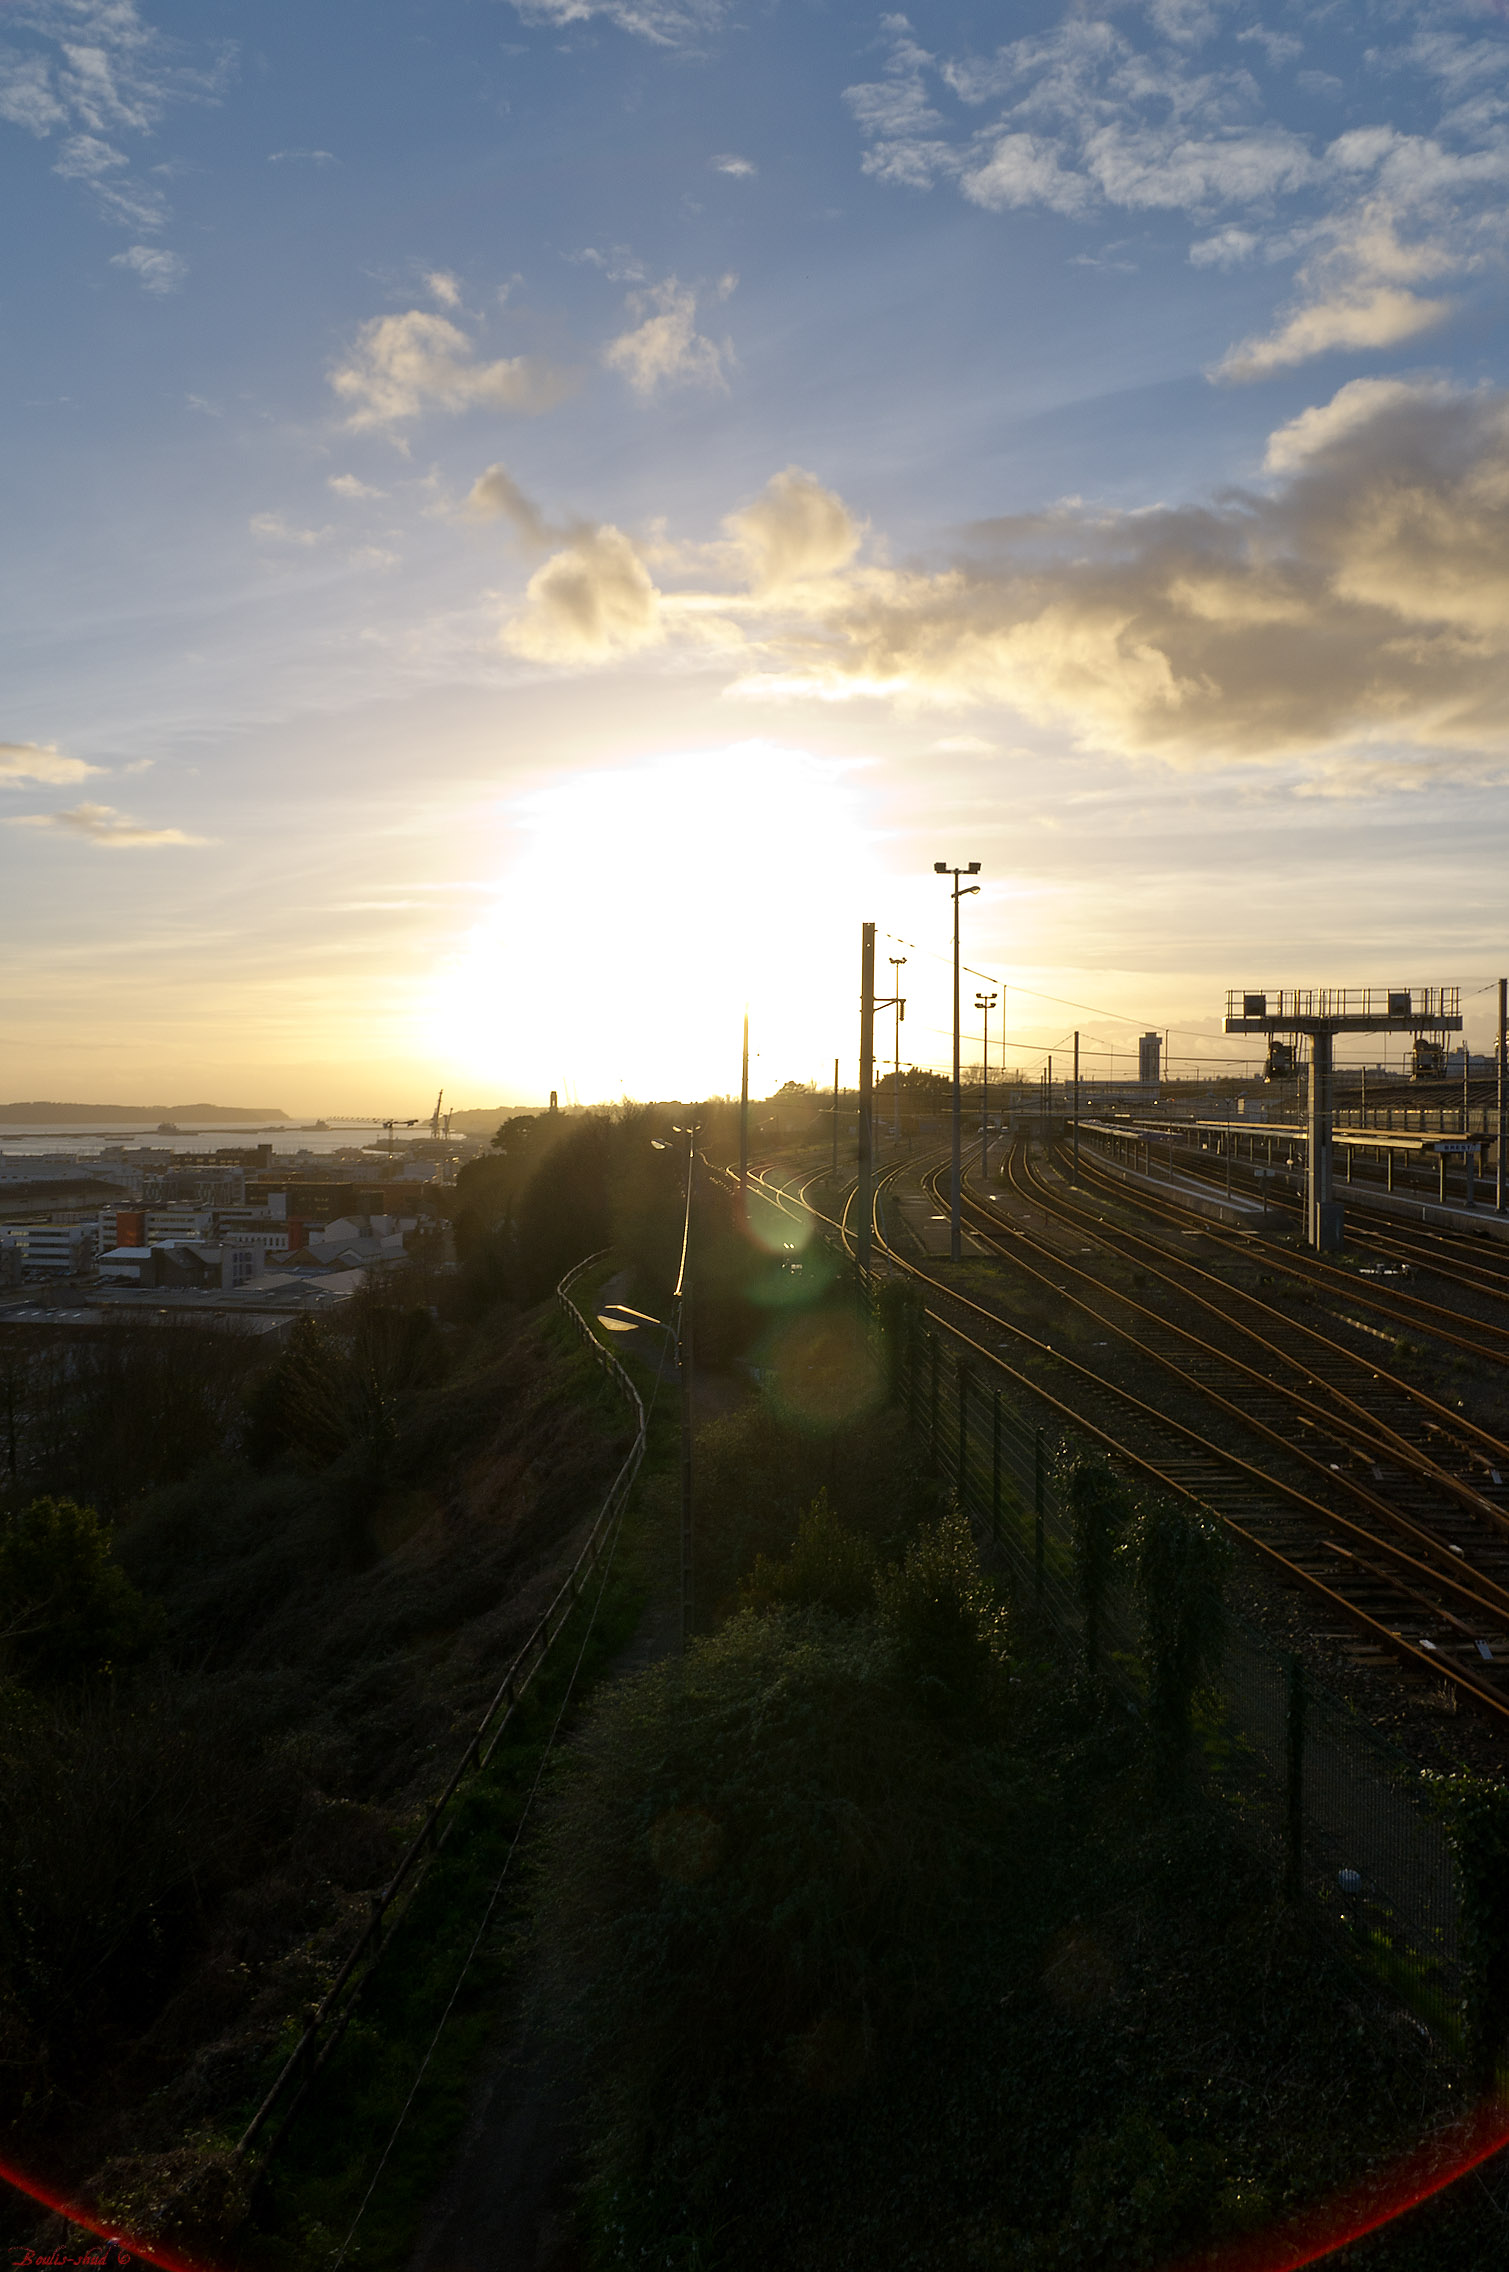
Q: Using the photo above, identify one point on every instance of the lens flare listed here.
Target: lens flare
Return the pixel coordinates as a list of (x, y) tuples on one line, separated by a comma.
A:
[(1313, 2234), (126, 2249)]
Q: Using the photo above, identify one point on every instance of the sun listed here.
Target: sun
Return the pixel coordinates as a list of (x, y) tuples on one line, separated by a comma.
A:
[(645, 905)]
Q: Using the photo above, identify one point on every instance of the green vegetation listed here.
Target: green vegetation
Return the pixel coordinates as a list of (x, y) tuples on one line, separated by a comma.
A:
[(872, 1932), (875, 1942)]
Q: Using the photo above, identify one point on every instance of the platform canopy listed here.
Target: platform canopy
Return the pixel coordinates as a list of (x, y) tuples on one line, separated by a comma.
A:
[(1343, 1009)]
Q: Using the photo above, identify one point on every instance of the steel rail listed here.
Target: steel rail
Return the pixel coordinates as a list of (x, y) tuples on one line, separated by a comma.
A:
[(1481, 1272), (1161, 1264), (1398, 1308), (1426, 1661), (1485, 1594)]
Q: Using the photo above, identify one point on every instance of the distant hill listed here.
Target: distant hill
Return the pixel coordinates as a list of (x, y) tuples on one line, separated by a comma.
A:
[(136, 1115), (482, 1120)]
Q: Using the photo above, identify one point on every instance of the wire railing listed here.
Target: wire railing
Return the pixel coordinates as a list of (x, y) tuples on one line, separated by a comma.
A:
[(1426, 1005), (327, 2024), (1339, 1809)]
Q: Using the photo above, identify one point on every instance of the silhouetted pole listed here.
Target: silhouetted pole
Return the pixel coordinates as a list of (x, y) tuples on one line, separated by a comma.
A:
[(1503, 1075), (1075, 1177), (835, 1116), (898, 965), (863, 1195), (744, 1120), (683, 1297), (955, 1221), (985, 1003)]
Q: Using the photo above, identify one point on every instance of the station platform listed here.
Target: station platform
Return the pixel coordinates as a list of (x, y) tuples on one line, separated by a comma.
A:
[(1236, 1213)]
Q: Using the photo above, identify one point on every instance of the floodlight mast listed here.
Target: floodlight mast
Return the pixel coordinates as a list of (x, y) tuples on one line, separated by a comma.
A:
[(985, 1003), (1322, 1013), (955, 1221)]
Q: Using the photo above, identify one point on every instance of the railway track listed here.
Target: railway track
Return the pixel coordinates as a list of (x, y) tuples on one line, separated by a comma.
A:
[(1486, 1340), (1379, 1474), (1458, 1258), (1442, 1613)]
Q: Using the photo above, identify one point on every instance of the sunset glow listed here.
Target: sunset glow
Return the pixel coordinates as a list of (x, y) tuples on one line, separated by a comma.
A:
[(1080, 445)]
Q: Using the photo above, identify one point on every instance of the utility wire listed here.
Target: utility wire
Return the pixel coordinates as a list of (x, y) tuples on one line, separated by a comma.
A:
[(1063, 1001), (497, 1891)]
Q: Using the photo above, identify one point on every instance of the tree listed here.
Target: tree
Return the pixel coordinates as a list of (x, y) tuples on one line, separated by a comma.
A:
[(1181, 1556), (1099, 1508), (942, 1615), (66, 1609)]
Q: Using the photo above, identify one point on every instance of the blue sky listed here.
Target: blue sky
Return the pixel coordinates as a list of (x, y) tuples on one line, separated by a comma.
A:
[(525, 524)]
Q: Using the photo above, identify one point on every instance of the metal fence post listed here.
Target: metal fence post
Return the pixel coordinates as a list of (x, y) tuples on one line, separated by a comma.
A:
[(1037, 1514), (961, 1483), (995, 1466), (1294, 1865), (932, 1417)]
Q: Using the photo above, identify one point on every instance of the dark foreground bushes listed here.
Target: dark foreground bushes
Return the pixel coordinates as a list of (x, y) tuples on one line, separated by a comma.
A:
[(876, 1944)]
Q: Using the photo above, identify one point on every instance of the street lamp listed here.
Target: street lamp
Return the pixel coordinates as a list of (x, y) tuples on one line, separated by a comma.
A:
[(961, 891), (985, 1003), (898, 964)]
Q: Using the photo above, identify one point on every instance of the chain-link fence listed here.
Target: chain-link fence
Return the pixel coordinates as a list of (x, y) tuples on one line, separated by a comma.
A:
[(1340, 1810)]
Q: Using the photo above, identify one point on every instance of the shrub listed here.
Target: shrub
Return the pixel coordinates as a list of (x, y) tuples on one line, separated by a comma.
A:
[(1475, 1810), (941, 1612), (66, 1610), (752, 1889), (118, 1815), (828, 1568), (1099, 1507), (757, 1472), (1181, 1557)]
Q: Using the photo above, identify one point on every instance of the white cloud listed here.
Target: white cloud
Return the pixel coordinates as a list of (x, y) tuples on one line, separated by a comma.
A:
[(1227, 248), (275, 528), (95, 69), (495, 495), (795, 530), (404, 365), (1362, 316), (39, 761), (26, 96), (1092, 115), (1279, 47), (592, 603), (740, 168), (667, 23), (1023, 169), (103, 825), (1352, 408), (1360, 609), (346, 485), (444, 287), (154, 269), (665, 348), (105, 173), (302, 158), (1356, 292)]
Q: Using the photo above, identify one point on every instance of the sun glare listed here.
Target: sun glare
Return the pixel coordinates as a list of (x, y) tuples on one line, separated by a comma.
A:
[(645, 905)]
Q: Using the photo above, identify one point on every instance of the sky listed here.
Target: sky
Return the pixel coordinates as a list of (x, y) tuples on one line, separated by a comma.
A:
[(526, 524)]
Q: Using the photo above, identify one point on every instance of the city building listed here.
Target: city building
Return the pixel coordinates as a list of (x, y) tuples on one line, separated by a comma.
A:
[(57, 1250), (1149, 1057)]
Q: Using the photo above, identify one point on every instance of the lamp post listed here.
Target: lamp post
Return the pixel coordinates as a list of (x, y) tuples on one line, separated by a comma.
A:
[(960, 891), (985, 1003), (682, 1297), (898, 964)]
